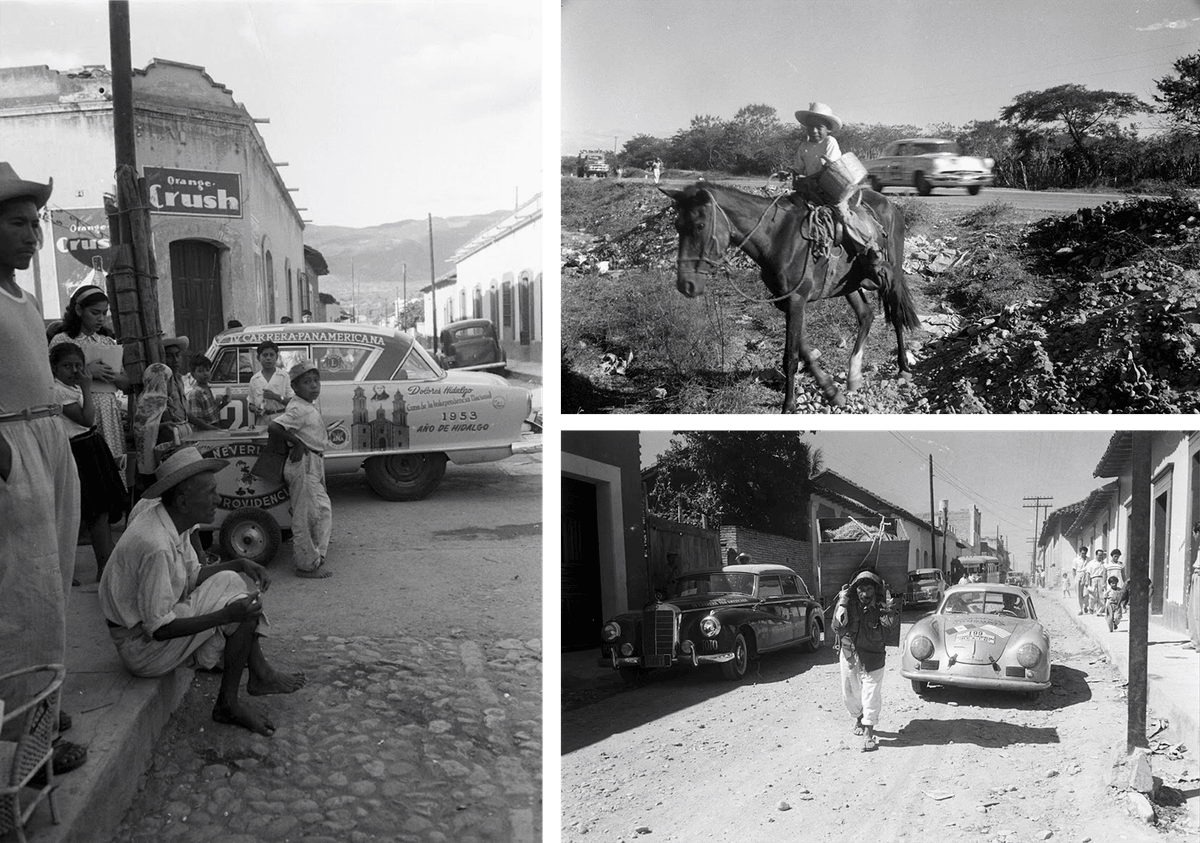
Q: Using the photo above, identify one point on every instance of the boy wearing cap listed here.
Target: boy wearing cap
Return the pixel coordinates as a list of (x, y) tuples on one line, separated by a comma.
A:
[(860, 622), (304, 429)]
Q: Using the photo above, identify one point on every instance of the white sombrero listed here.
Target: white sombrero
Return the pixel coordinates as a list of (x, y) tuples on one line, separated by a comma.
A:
[(184, 463), (819, 111)]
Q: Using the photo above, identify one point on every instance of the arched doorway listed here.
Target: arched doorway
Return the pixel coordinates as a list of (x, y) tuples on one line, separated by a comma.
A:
[(196, 290)]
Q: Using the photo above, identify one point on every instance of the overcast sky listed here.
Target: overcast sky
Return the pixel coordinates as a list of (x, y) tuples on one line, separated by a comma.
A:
[(994, 470), (383, 110), (916, 62)]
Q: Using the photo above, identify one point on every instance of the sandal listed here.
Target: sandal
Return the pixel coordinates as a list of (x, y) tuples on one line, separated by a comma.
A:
[(870, 744), (64, 722), (858, 726)]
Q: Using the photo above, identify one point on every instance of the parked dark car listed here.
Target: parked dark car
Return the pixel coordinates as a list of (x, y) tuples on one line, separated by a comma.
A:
[(471, 344), (725, 616), (925, 585)]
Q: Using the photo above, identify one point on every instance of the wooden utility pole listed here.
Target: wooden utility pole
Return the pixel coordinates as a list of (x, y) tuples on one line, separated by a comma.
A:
[(133, 276), (433, 286), (932, 521), (1139, 590), (1037, 506)]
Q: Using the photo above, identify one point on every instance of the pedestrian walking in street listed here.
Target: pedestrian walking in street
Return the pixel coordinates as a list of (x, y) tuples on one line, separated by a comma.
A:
[(269, 389), (102, 494), (312, 515), (1193, 597), (1095, 585), (860, 623), (1079, 571), (164, 609), (39, 483)]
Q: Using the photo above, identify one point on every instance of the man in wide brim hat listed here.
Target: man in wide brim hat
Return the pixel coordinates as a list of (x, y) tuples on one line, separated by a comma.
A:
[(165, 610), (13, 186), (39, 481)]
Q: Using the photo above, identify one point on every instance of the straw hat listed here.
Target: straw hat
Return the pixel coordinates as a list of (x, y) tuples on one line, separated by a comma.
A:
[(181, 342), (819, 112), (184, 463), (299, 369), (12, 186)]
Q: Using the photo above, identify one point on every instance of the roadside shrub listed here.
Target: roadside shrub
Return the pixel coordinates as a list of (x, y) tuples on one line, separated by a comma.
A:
[(988, 216), (639, 311), (916, 214), (987, 284)]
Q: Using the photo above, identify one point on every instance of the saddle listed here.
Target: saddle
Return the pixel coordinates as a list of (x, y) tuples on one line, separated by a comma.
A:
[(828, 232)]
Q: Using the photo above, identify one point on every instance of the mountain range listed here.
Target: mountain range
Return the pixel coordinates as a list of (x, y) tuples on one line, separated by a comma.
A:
[(367, 266)]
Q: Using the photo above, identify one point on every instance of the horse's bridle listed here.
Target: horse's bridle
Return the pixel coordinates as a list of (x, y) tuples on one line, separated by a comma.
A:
[(724, 264)]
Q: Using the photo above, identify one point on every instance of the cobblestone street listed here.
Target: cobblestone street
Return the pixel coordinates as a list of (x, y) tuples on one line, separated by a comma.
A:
[(404, 739)]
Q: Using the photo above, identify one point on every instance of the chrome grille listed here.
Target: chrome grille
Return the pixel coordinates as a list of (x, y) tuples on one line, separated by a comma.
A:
[(658, 635)]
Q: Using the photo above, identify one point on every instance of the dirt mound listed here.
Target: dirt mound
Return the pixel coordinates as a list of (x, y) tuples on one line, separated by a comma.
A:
[(1119, 331)]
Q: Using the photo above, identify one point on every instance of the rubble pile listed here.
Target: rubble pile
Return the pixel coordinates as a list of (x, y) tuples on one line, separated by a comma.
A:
[(1119, 332), (1114, 233)]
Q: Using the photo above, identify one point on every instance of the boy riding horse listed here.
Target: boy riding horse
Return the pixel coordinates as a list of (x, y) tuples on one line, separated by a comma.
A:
[(814, 154)]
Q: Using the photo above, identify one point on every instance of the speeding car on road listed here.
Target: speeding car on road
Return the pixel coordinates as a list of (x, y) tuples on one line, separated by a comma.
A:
[(982, 635), (725, 616), (928, 163)]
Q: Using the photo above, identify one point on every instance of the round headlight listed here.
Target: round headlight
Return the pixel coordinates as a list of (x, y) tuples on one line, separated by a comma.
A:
[(626, 649), (710, 627), (921, 648), (611, 632), (1030, 655)]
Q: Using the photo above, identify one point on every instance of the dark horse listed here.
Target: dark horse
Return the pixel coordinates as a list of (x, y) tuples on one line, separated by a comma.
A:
[(779, 235)]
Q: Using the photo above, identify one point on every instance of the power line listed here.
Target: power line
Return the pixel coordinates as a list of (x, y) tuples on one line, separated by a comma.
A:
[(961, 486)]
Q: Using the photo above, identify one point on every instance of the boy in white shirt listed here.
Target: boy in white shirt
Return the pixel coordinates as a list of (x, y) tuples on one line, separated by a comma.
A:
[(304, 429), (269, 389), (818, 150)]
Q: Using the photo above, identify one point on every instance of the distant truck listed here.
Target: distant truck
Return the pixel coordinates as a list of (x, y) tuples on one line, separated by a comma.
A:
[(592, 164)]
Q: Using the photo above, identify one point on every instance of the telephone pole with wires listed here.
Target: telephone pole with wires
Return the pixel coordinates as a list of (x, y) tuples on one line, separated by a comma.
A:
[(1037, 506)]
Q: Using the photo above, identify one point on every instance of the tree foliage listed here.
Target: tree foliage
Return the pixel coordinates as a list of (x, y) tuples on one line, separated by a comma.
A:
[(1181, 94), (755, 479), (1084, 113)]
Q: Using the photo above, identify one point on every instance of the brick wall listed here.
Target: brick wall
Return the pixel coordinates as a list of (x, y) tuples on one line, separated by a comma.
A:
[(766, 548)]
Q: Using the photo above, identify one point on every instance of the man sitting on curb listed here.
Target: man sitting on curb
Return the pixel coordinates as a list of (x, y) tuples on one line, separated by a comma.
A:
[(165, 610)]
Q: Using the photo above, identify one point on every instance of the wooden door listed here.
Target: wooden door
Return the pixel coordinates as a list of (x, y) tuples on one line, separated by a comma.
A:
[(196, 286)]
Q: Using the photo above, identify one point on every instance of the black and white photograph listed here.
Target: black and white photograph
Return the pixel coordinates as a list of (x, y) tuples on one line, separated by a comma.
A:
[(271, 428), (773, 635), (879, 207)]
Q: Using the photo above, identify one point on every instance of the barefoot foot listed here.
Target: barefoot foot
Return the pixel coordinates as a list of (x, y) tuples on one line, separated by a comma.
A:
[(318, 574), (244, 716), (275, 682)]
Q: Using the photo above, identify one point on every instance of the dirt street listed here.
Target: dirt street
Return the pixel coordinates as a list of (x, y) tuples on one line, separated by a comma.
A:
[(689, 756)]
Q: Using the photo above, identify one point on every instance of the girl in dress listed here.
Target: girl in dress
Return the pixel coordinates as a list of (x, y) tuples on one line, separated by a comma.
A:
[(101, 492), (85, 323)]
